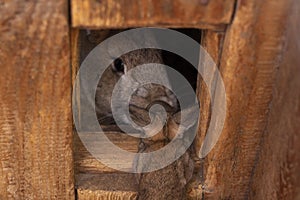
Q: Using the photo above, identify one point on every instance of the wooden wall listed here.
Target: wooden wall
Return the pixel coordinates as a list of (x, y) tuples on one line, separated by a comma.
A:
[(277, 173), (255, 157), (35, 104)]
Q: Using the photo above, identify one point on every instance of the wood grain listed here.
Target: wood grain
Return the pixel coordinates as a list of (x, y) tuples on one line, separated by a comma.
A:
[(212, 42), (277, 173), (250, 58), (169, 13), (87, 163), (107, 195), (35, 107)]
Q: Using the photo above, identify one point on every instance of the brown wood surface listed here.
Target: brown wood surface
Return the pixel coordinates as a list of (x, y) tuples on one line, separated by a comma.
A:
[(277, 174), (35, 104), (251, 54), (106, 186), (107, 195), (168, 13), (87, 163), (212, 42)]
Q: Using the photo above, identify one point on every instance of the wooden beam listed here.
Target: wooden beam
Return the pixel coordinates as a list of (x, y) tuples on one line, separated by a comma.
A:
[(212, 14), (250, 58), (35, 105), (212, 42), (109, 195), (87, 163), (277, 173)]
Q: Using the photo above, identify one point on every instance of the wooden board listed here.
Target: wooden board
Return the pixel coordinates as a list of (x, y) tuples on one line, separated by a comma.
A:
[(212, 42), (168, 13), (109, 195), (250, 58), (87, 163), (277, 173), (35, 104)]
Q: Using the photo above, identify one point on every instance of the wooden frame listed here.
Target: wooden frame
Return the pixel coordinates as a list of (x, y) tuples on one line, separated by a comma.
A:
[(212, 14)]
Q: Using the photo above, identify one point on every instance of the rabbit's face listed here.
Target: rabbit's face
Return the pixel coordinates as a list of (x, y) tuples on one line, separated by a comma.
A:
[(143, 97)]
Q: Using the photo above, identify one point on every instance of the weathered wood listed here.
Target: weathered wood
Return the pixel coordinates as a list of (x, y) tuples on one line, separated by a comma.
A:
[(87, 163), (212, 14), (212, 42), (277, 173), (107, 195), (250, 57), (75, 53), (108, 182), (106, 186), (35, 112)]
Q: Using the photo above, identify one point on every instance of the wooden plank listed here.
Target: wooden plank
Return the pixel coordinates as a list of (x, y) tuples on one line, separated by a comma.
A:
[(108, 182), (212, 14), (35, 107), (109, 195), (87, 163), (252, 48), (75, 53), (277, 173), (212, 42)]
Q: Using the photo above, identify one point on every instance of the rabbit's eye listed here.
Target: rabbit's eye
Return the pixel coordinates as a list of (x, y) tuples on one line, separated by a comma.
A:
[(119, 66)]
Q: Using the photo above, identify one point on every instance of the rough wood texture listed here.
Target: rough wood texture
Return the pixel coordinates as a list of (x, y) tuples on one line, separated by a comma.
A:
[(108, 182), (250, 57), (212, 42), (75, 51), (277, 173), (106, 186), (179, 13), (86, 163), (35, 107), (107, 195)]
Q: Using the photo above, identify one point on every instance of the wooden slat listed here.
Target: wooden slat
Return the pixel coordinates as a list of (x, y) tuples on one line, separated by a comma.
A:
[(87, 163), (168, 13), (277, 173), (108, 182), (35, 105), (252, 48), (212, 42), (106, 186), (107, 195)]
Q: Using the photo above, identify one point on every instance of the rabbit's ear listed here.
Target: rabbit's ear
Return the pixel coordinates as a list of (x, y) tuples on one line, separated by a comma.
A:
[(182, 121)]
